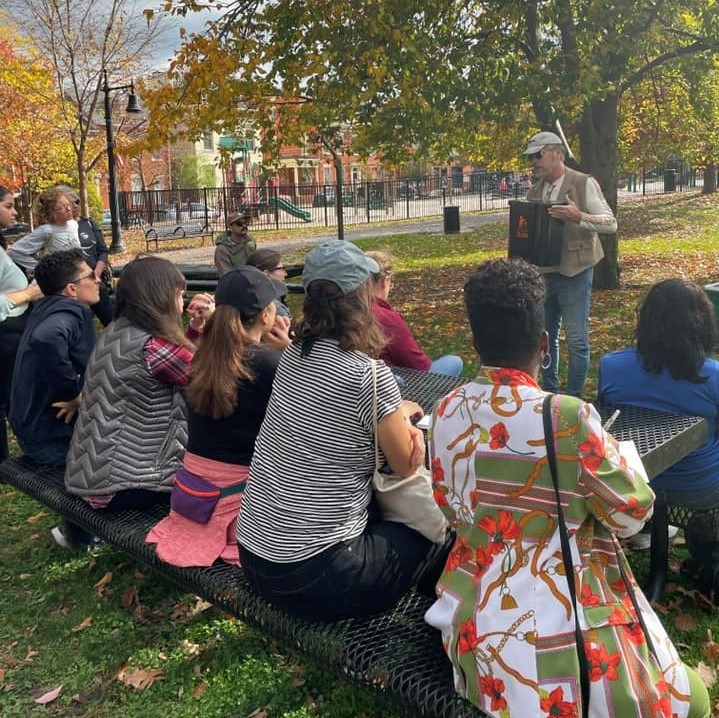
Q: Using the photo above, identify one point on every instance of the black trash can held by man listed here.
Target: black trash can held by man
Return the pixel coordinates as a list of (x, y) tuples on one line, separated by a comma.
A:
[(451, 220), (670, 180)]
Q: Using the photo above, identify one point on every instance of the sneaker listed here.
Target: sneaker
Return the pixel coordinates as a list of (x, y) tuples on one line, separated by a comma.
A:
[(73, 538), (60, 539), (643, 540)]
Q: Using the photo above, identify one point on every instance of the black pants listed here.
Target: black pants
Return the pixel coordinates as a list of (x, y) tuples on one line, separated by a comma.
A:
[(359, 577), (10, 332)]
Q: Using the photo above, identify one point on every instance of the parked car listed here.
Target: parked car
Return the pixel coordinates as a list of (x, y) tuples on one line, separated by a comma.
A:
[(187, 210)]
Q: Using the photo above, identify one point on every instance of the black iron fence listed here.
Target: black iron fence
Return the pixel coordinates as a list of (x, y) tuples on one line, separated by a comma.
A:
[(187, 211)]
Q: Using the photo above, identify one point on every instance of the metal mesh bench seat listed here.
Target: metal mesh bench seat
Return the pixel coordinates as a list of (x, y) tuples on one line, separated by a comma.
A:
[(396, 654)]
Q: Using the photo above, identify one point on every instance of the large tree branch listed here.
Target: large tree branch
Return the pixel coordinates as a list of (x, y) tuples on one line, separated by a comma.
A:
[(639, 75)]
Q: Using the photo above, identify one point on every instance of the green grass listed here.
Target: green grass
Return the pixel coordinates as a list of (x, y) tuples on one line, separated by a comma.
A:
[(205, 663)]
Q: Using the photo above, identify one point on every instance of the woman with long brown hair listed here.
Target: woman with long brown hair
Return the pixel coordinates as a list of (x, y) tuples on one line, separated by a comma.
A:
[(230, 384), (310, 538), (132, 427)]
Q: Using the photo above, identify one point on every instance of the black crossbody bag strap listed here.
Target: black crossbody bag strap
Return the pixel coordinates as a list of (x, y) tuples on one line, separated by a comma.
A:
[(566, 553)]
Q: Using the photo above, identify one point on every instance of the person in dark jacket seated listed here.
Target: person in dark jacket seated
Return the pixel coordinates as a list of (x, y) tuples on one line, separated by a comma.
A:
[(52, 356)]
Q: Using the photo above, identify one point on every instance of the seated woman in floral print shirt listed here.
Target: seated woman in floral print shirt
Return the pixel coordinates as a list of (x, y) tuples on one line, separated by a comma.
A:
[(503, 608)]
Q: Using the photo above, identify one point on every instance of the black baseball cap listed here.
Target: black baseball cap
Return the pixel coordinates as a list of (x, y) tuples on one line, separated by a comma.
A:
[(247, 289)]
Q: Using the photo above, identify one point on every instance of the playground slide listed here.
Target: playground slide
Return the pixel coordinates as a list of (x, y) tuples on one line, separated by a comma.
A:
[(290, 208)]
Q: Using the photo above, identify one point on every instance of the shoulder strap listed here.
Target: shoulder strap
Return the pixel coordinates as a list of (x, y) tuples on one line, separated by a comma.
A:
[(566, 552), (373, 364)]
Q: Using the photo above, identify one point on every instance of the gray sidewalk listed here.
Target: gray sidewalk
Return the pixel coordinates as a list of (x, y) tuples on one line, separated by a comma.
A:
[(203, 256)]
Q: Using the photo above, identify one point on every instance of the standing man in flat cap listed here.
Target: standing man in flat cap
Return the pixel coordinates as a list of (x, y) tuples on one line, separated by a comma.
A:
[(585, 214)]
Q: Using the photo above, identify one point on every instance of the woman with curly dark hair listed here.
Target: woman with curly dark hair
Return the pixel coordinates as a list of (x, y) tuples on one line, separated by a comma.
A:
[(309, 541), (670, 370), (516, 639)]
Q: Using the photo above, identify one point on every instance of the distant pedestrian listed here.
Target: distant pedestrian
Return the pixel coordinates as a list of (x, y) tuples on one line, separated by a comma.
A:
[(235, 245)]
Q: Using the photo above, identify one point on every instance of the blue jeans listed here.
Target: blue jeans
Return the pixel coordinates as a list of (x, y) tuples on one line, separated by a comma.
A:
[(568, 301), (450, 365)]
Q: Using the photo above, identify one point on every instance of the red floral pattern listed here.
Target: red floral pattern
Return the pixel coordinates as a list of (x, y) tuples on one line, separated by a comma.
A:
[(484, 559), (588, 598), (499, 436), (555, 705), (504, 376), (461, 553), (592, 452), (494, 687), (601, 663), (501, 530), (468, 638)]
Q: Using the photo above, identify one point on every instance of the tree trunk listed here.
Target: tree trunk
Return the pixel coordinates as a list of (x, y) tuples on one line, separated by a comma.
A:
[(82, 181), (598, 145), (710, 179)]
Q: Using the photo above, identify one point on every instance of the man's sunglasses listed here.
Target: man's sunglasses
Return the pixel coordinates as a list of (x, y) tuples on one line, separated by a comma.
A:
[(535, 155)]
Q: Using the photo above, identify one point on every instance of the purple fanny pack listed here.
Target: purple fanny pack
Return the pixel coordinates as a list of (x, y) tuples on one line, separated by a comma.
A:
[(195, 498)]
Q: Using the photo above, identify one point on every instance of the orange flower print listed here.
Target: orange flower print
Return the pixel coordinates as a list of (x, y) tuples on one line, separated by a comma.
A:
[(662, 706), (555, 705), (493, 688), (617, 617), (499, 436), (437, 470), (619, 586), (502, 530), (442, 406), (635, 633), (461, 553), (502, 376), (601, 664), (633, 508), (483, 558), (588, 598), (468, 638), (474, 496), (593, 452)]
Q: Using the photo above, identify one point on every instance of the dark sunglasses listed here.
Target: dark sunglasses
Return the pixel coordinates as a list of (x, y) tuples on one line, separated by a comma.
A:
[(535, 155)]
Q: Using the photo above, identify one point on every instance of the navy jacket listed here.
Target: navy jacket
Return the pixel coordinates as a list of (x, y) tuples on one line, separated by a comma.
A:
[(50, 365)]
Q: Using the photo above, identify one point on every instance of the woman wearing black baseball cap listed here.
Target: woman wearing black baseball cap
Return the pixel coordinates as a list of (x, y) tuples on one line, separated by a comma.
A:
[(230, 382)]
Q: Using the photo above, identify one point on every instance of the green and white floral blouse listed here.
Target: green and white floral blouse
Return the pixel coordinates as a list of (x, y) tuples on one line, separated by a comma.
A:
[(503, 606)]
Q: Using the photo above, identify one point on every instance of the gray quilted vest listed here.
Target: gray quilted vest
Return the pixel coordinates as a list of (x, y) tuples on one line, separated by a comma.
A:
[(131, 429)]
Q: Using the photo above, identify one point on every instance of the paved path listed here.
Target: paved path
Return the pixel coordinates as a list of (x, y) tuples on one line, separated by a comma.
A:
[(203, 256)]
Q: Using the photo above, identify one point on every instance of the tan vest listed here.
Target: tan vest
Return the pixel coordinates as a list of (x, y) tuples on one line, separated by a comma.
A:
[(581, 248)]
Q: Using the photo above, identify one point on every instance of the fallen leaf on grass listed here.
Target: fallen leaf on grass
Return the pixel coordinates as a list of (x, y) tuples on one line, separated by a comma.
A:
[(49, 697), (139, 678), (30, 655), (199, 689), (34, 519), (130, 597), (259, 713), (3, 671), (685, 622), (102, 584), (707, 674), (86, 623)]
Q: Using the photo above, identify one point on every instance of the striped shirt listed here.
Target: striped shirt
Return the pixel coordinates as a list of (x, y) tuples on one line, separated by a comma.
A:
[(310, 477)]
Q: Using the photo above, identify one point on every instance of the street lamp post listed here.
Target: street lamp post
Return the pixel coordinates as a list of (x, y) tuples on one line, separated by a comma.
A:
[(133, 107)]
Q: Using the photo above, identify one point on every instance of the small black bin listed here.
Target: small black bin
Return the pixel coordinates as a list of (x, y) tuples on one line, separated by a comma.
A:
[(670, 180), (451, 220)]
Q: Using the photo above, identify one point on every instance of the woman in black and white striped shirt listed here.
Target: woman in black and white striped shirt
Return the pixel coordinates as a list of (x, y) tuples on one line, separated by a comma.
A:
[(309, 538)]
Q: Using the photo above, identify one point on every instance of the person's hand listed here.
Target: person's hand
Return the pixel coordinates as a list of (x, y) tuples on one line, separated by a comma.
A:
[(568, 212), (200, 309), (413, 412), (33, 293), (67, 409), (416, 458), (278, 337)]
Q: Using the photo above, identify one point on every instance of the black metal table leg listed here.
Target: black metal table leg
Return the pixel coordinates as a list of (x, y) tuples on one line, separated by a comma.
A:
[(659, 555)]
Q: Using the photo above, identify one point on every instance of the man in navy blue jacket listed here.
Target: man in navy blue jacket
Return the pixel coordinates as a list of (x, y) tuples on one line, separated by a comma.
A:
[(54, 350)]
